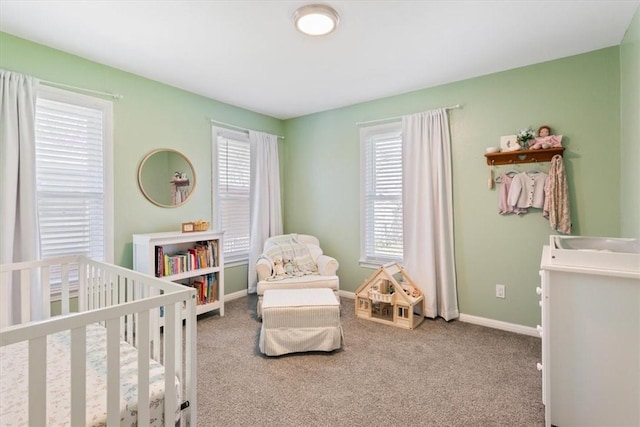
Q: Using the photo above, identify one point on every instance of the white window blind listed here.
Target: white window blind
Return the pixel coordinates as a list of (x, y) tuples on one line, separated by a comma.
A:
[(233, 166), (73, 183), (381, 190)]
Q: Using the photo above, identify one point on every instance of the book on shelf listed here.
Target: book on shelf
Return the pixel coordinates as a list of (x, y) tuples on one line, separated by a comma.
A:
[(159, 261)]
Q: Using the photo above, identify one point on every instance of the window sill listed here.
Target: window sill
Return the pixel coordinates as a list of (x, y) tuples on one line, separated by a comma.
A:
[(236, 263), (375, 264)]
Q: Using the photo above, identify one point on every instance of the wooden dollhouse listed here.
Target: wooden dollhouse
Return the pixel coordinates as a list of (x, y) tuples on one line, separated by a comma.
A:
[(389, 296)]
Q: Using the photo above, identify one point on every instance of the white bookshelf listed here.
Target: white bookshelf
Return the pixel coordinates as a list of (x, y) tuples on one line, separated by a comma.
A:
[(174, 242)]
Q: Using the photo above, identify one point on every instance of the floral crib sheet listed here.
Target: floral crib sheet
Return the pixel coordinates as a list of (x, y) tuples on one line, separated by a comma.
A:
[(14, 382)]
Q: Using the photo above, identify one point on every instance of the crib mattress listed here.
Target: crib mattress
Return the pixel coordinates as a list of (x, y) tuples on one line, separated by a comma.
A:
[(14, 381), (300, 320)]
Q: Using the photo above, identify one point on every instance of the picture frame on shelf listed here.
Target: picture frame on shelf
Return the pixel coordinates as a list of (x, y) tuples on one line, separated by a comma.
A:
[(188, 227), (509, 143)]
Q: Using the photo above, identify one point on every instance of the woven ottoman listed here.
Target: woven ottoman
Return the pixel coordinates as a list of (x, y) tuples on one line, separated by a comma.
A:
[(298, 320)]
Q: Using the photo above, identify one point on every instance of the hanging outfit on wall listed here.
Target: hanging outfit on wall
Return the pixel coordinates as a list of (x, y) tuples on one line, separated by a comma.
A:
[(176, 194), (504, 207), (556, 203), (179, 188), (527, 190)]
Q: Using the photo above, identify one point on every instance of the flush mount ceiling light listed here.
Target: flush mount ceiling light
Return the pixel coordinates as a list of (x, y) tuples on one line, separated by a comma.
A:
[(316, 19)]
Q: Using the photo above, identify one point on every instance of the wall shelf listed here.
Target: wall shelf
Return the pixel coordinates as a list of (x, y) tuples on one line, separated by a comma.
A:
[(522, 156)]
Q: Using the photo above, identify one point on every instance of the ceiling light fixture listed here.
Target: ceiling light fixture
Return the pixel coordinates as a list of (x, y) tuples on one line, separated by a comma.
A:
[(316, 19)]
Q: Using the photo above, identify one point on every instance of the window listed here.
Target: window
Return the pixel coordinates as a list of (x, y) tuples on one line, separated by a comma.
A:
[(232, 179), (381, 193), (74, 175)]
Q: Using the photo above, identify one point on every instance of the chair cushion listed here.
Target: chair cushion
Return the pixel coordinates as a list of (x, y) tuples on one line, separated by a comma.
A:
[(310, 281)]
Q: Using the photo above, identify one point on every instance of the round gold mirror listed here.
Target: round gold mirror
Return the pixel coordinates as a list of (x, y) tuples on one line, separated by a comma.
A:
[(166, 177)]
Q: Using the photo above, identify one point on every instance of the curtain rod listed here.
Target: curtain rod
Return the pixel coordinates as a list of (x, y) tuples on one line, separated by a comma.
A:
[(399, 117), (236, 127), (82, 89)]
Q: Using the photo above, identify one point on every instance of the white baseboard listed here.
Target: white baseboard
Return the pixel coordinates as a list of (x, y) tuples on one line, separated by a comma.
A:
[(498, 324), (235, 295), (347, 294), (482, 321)]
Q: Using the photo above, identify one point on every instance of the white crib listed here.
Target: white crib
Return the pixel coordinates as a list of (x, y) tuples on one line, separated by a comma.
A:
[(120, 362)]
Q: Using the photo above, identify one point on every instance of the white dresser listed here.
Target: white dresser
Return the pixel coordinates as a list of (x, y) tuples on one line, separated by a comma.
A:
[(590, 337)]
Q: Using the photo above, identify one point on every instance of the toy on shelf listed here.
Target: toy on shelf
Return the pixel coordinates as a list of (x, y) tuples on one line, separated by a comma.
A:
[(382, 298), (545, 140)]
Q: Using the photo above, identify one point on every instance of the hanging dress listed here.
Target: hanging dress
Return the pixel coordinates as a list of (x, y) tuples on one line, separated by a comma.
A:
[(556, 203)]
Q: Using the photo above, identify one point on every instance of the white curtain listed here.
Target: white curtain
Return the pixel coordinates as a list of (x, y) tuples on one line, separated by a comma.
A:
[(428, 210), (18, 214), (266, 211)]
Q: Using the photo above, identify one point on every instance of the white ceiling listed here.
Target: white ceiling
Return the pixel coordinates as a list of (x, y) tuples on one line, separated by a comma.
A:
[(248, 54)]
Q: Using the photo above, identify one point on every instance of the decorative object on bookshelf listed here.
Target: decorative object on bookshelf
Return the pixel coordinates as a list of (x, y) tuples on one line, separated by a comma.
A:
[(201, 225)]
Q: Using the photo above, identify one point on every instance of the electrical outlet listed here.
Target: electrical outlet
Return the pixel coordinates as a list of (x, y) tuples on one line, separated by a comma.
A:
[(500, 291)]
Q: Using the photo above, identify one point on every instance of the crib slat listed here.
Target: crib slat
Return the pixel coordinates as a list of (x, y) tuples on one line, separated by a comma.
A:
[(113, 373), (124, 320), (155, 313), (103, 287), (178, 340), (108, 286), (95, 292), (90, 293), (82, 287), (94, 288), (5, 299), (78, 376), (143, 369), (190, 377), (46, 291), (37, 381), (25, 295), (100, 287), (65, 288), (170, 402), (132, 324)]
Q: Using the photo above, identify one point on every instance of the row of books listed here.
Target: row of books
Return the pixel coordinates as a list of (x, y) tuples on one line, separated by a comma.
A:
[(202, 255), (206, 287)]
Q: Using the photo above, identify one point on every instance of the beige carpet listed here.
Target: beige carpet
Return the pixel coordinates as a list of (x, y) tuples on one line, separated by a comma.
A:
[(440, 374)]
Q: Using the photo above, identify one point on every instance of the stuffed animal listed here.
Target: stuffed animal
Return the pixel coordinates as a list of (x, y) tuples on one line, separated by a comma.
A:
[(278, 269), (545, 140), (288, 266), (551, 141)]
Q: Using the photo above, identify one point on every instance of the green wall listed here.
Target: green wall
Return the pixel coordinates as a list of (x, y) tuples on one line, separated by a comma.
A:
[(630, 129), (577, 96), (151, 115)]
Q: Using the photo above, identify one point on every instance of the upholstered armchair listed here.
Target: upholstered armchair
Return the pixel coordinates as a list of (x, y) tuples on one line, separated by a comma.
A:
[(295, 261)]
